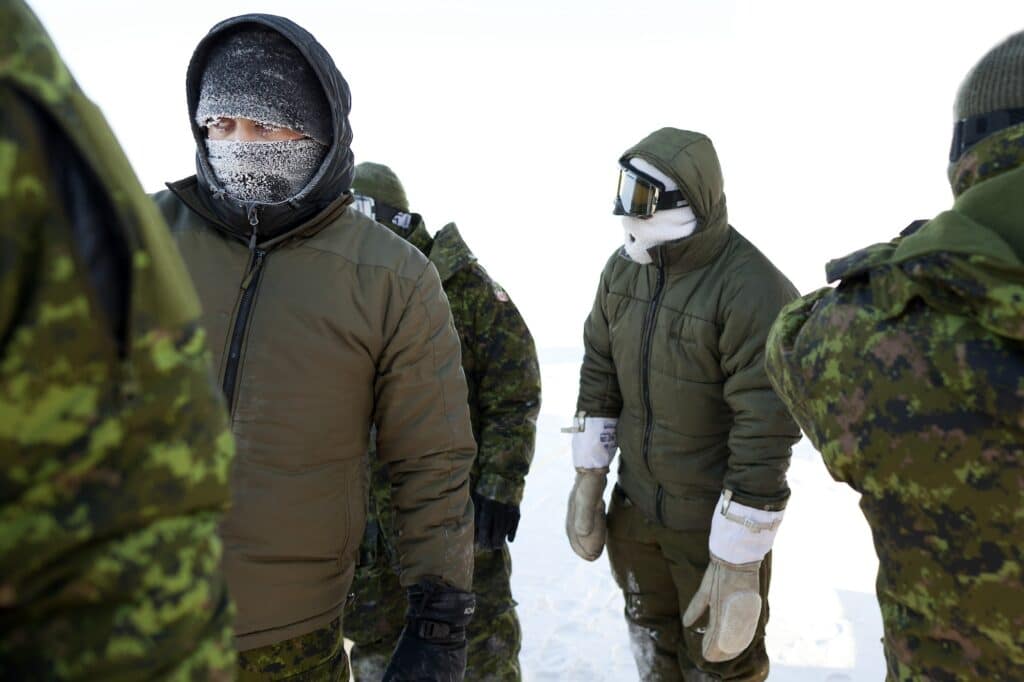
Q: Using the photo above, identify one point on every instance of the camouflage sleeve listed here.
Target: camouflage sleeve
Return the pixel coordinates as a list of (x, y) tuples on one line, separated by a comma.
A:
[(113, 471), (599, 384), (783, 367), (762, 433), (506, 376)]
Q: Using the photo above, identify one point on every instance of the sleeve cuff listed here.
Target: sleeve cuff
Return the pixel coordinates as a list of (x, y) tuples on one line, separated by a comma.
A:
[(594, 446), (742, 534), (500, 489)]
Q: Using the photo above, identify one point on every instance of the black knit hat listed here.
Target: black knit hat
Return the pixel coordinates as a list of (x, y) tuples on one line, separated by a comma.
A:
[(256, 73)]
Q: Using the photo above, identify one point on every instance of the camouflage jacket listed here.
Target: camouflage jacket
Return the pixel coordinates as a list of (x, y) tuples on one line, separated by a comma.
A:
[(500, 362), (909, 378), (114, 449)]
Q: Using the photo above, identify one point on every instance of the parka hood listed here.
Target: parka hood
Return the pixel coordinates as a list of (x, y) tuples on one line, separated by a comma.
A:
[(334, 177), (689, 158)]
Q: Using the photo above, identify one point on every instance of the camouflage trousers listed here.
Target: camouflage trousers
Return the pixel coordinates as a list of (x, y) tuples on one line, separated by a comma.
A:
[(316, 657), (375, 618), (659, 570)]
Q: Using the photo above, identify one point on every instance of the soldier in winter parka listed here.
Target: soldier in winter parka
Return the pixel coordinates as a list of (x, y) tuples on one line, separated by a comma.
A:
[(114, 442), (322, 323), (909, 378), (500, 362), (673, 377)]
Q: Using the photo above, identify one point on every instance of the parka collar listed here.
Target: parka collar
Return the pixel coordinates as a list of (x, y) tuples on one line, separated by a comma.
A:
[(446, 250), (199, 202), (987, 221), (693, 252), (450, 253), (966, 260)]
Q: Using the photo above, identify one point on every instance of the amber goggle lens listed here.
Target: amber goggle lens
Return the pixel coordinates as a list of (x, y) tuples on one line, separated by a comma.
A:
[(636, 196)]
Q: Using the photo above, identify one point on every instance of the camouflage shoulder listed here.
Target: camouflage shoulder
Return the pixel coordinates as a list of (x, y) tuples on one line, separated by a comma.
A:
[(28, 57), (474, 281), (868, 258), (450, 253), (860, 262)]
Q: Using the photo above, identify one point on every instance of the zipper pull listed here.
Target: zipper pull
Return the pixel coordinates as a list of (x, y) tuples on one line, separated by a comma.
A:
[(254, 269), (254, 218)]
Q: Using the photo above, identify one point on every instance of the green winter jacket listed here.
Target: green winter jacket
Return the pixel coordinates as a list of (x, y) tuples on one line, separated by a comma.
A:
[(114, 445), (323, 322), (674, 349), (909, 378)]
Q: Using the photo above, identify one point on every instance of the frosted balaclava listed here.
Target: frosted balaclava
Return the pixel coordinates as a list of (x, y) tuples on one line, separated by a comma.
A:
[(640, 235), (258, 74)]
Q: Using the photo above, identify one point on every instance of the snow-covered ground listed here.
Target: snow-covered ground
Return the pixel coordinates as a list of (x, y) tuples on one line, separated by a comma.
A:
[(825, 624)]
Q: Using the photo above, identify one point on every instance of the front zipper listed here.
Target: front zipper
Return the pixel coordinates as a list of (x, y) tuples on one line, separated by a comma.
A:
[(645, 364), (248, 295)]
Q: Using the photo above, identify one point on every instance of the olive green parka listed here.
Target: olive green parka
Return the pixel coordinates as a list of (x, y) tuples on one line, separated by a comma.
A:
[(675, 351), (323, 323)]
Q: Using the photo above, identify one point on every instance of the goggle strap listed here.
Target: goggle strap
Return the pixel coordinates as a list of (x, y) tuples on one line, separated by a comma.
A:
[(673, 199), (384, 212), (971, 130)]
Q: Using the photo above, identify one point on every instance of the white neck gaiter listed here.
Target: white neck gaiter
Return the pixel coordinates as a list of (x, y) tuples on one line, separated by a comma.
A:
[(264, 172), (664, 226)]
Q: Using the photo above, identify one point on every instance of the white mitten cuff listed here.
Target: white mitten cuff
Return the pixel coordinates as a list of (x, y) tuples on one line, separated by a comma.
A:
[(742, 534), (594, 442)]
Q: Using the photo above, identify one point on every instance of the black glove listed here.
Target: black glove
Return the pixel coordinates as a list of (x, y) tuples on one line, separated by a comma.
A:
[(494, 521), (432, 647)]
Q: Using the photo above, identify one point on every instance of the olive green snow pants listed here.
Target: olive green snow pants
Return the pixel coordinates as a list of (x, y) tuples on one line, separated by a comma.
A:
[(659, 570)]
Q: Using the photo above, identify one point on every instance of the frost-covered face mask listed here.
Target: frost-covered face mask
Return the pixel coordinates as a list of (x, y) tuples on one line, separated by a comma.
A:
[(264, 172)]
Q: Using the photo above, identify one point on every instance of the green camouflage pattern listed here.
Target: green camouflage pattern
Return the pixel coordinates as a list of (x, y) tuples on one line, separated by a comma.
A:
[(315, 657), (503, 375), (909, 378), (502, 371), (992, 156), (113, 470)]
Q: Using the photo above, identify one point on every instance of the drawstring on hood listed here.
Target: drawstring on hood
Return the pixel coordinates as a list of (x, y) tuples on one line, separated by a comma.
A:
[(641, 235)]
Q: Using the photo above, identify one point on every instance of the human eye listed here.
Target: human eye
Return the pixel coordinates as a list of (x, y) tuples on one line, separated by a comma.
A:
[(220, 126), (268, 128)]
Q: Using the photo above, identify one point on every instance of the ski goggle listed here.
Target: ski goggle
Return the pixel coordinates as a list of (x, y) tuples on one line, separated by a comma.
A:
[(639, 196), (380, 211)]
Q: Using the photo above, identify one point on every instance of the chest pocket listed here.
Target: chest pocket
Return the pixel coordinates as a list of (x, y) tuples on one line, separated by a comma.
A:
[(686, 347)]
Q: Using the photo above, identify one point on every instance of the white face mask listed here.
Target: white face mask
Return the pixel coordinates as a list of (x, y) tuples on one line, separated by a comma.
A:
[(663, 226), (264, 172)]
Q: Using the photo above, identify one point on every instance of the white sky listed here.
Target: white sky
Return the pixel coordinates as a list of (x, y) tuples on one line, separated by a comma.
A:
[(832, 120)]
